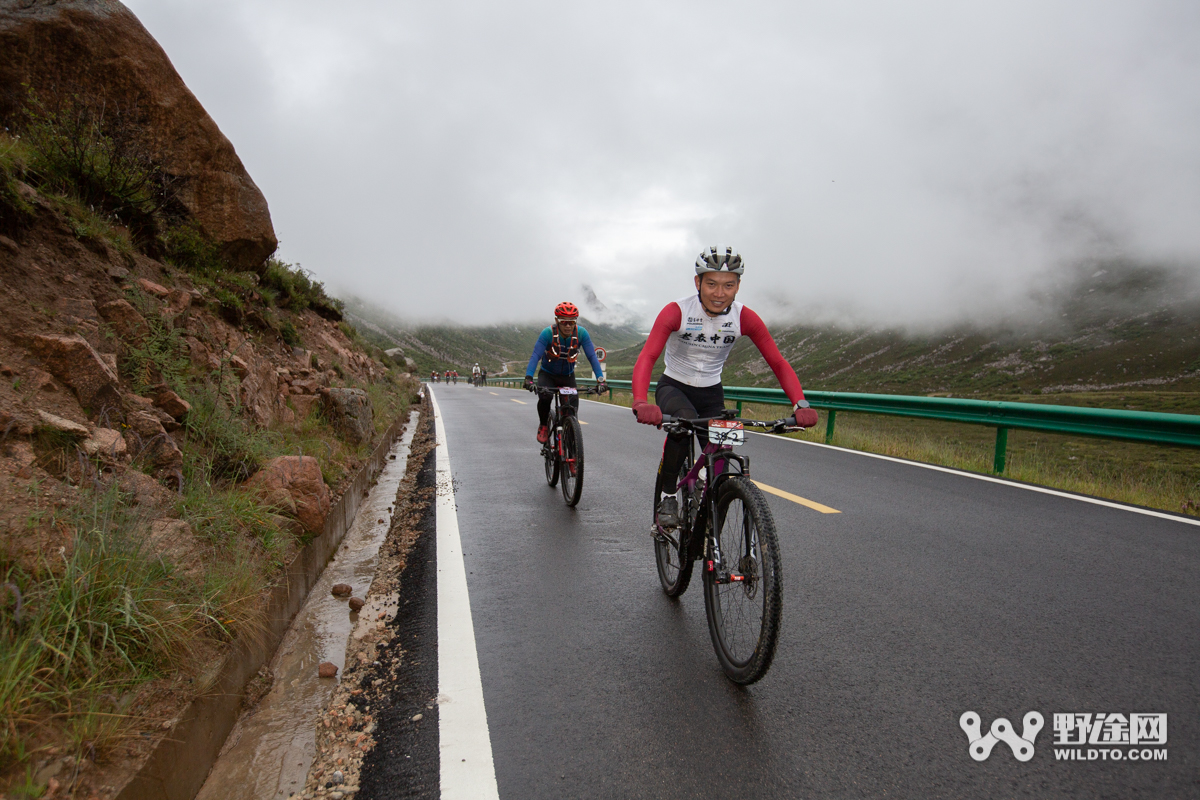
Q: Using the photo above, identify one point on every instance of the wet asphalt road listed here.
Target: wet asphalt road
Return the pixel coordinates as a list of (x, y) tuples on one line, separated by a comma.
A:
[(931, 594)]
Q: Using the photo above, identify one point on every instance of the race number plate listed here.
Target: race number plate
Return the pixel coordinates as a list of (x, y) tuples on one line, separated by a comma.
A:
[(567, 390), (722, 431)]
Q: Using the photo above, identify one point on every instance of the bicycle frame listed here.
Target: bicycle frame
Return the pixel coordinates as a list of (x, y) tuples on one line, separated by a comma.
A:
[(560, 411), (716, 461)]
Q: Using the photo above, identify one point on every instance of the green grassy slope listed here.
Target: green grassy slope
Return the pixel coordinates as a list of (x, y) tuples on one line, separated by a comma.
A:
[(443, 347), (1124, 329)]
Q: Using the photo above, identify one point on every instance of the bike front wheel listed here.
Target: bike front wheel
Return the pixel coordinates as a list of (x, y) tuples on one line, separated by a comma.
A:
[(743, 596), (572, 460), (550, 451), (671, 551)]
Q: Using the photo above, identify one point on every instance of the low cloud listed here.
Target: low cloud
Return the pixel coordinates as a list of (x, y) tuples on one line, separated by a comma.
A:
[(880, 163)]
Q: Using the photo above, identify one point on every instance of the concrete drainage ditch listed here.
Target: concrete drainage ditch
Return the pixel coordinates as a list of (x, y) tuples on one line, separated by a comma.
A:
[(272, 747)]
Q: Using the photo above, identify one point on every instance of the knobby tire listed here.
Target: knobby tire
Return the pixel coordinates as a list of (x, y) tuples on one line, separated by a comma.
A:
[(744, 616), (572, 464), (674, 563), (551, 452)]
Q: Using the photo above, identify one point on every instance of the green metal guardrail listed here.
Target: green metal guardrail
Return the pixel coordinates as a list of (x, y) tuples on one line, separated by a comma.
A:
[(1106, 423)]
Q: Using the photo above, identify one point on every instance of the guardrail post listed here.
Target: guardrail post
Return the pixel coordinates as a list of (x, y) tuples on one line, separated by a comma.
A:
[(829, 426), (1001, 450), (739, 402)]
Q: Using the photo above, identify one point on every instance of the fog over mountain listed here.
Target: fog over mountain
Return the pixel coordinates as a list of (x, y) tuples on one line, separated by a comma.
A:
[(876, 163)]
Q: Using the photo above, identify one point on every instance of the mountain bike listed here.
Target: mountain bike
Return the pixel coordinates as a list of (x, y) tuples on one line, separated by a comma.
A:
[(563, 451), (725, 522)]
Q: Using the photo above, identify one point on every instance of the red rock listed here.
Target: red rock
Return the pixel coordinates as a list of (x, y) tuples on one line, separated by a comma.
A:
[(309, 385), (106, 443), (341, 589), (202, 358), (100, 50), (147, 439), (125, 320), (296, 486), (172, 403), (327, 669), (77, 364), (356, 604), (178, 300), (9, 245), (239, 365), (14, 423), (150, 287), (146, 491), (41, 381), (57, 423), (259, 390)]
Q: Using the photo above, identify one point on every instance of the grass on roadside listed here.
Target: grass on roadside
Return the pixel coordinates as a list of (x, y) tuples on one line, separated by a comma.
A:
[(91, 624)]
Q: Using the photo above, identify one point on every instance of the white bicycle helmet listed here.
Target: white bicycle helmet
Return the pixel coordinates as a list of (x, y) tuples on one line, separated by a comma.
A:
[(712, 261)]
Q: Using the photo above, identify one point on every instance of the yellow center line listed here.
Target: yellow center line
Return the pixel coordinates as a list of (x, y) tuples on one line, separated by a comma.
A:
[(515, 400), (795, 498), (495, 393), (581, 422)]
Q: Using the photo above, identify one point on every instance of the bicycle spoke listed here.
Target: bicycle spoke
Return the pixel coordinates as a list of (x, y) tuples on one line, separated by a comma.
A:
[(743, 598)]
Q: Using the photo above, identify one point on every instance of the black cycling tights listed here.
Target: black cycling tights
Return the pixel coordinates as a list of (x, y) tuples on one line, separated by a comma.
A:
[(545, 379), (677, 399)]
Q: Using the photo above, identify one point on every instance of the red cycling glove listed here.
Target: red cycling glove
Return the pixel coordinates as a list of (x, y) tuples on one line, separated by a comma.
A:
[(806, 417), (646, 413)]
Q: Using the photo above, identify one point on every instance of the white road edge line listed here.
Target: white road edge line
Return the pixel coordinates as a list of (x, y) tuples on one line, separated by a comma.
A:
[(989, 479), (467, 770)]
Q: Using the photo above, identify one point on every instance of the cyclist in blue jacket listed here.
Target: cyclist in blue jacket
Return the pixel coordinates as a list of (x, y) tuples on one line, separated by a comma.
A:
[(558, 348)]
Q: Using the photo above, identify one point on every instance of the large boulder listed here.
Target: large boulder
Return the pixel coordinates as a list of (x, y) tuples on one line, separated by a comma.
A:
[(77, 364), (350, 413), (295, 486), (98, 49)]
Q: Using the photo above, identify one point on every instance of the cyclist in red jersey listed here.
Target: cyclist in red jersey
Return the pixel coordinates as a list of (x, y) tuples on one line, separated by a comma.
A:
[(698, 332)]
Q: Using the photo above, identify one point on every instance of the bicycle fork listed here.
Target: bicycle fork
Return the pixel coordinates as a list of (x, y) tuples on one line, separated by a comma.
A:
[(715, 562)]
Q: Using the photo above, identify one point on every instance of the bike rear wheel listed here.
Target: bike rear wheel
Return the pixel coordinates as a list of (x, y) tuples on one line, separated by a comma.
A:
[(744, 603), (550, 451), (572, 460), (671, 551)]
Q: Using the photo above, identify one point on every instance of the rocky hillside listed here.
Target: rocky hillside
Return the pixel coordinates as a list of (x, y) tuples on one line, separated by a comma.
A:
[(1111, 327), (178, 409)]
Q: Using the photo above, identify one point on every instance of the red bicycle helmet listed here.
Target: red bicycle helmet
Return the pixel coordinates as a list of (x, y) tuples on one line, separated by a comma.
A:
[(566, 311)]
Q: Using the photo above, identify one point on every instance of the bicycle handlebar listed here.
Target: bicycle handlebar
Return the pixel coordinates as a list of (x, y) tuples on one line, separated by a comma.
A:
[(546, 390), (680, 424)]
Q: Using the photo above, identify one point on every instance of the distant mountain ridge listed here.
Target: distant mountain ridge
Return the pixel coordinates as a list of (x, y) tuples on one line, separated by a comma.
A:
[(1114, 326), (448, 346)]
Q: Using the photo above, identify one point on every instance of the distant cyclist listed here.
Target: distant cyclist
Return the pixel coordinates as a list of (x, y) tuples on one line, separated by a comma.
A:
[(698, 332), (475, 373), (558, 348), (433, 376)]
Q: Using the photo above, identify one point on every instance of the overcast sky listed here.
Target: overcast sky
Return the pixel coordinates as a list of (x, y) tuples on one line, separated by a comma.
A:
[(873, 161)]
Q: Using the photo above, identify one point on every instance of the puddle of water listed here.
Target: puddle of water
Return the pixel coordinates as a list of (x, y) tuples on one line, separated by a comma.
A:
[(269, 751)]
